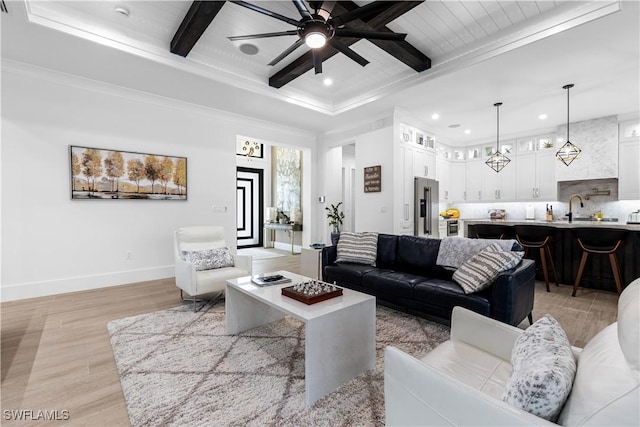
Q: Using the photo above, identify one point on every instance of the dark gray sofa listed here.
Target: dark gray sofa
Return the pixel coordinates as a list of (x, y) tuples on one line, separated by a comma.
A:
[(405, 275)]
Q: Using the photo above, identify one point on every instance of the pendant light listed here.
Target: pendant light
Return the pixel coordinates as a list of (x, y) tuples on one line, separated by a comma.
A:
[(569, 151), (498, 161)]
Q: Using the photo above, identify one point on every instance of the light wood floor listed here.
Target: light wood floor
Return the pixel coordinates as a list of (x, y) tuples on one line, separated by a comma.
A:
[(56, 353)]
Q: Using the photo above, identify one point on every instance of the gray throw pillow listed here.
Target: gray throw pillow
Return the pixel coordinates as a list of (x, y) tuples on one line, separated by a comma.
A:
[(209, 259), (357, 248), (543, 370), (480, 271)]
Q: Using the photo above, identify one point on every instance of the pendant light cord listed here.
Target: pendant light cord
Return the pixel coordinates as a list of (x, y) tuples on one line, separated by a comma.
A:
[(497, 105), (567, 87)]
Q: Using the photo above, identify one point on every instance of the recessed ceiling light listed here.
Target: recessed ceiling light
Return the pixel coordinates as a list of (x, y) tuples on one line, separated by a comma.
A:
[(249, 49), (455, 125), (542, 116), (121, 10), (327, 81), (435, 116), (467, 131)]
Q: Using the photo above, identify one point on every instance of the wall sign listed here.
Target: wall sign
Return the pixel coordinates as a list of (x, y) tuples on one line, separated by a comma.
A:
[(373, 179)]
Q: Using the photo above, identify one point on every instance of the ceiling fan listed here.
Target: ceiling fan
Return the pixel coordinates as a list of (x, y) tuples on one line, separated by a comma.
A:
[(318, 28)]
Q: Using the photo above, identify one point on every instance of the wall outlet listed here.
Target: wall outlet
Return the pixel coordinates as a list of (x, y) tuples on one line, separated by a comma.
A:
[(219, 209), (128, 255)]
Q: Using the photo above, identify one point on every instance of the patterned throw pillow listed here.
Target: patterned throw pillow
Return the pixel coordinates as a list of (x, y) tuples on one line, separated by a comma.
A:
[(480, 271), (357, 248), (209, 259), (543, 370)]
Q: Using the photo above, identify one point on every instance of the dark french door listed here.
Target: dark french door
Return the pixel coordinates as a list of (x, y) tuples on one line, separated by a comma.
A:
[(250, 206)]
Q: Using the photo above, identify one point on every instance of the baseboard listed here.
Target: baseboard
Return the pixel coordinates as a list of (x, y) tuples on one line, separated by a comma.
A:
[(83, 283)]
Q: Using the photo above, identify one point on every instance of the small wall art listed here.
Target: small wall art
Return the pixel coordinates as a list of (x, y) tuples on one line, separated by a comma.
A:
[(248, 148), (373, 179), (100, 174)]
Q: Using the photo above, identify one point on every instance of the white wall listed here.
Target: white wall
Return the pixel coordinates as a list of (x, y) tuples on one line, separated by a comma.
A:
[(375, 210), (51, 244)]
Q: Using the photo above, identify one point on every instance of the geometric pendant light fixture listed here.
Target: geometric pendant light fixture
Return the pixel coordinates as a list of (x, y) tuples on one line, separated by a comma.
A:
[(497, 161), (569, 151)]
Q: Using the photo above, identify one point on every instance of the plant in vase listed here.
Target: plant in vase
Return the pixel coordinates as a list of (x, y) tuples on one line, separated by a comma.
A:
[(335, 217)]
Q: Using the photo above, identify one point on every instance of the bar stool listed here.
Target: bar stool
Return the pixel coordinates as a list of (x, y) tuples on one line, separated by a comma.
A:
[(595, 241), (538, 237), (490, 231)]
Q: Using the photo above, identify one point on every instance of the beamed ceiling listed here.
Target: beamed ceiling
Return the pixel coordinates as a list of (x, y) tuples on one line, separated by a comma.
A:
[(459, 57)]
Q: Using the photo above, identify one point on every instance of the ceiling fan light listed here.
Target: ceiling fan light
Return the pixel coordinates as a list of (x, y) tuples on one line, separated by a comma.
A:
[(315, 40)]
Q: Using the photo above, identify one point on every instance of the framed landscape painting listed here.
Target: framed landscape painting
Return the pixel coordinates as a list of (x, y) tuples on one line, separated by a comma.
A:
[(108, 174)]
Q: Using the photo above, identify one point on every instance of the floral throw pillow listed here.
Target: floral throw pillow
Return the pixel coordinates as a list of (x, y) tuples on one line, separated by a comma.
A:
[(209, 259)]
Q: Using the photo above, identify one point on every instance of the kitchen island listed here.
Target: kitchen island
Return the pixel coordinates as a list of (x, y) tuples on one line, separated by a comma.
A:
[(566, 253)]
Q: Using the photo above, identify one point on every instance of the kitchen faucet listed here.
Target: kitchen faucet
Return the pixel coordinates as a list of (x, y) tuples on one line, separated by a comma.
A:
[(570, 214)]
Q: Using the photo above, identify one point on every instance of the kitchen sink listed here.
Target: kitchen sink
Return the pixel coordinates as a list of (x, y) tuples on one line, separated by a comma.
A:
[(589, 219)]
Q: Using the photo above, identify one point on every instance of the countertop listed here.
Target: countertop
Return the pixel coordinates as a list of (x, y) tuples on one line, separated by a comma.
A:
[(556, 223)]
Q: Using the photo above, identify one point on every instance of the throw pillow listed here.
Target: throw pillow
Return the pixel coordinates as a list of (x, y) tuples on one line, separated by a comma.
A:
[(480, 271), (543, 370), (209, 259), (357, 248)]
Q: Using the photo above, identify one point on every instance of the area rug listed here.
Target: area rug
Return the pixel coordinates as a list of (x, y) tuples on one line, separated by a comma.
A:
[(258, 253), (179, 368)]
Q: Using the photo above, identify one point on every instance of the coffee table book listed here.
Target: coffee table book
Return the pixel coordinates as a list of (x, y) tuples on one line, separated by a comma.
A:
[(270, 279)]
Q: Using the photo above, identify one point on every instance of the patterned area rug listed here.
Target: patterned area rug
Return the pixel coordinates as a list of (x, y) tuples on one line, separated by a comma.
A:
[(179, 368)]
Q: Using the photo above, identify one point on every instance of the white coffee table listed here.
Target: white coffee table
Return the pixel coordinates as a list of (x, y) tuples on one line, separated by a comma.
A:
[(340, 333)]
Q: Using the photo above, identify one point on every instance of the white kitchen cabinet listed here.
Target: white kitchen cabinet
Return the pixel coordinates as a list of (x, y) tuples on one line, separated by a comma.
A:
[(474, 180), (499, 185), (443, 176), (535, 176), (457, 183), (424, 163), (403, 211), (628, 170)]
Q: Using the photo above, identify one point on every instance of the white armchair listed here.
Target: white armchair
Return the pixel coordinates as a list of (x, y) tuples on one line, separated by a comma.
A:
[(198, 283), (461, 381)]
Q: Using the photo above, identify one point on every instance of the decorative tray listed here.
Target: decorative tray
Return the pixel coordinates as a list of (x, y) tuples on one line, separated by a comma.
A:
[(312, 291)]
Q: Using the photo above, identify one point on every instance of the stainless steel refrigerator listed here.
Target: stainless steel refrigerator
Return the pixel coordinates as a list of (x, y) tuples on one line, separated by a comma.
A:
[(426, 205)]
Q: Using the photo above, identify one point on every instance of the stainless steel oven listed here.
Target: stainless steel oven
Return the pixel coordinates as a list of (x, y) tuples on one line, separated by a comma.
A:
[(452, 227)]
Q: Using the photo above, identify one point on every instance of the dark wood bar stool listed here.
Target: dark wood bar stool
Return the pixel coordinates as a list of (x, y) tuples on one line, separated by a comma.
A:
[(604, 242), (538, 237), (490, 231)]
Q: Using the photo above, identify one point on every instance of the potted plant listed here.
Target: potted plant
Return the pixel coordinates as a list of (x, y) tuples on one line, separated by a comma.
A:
[(335, 220)]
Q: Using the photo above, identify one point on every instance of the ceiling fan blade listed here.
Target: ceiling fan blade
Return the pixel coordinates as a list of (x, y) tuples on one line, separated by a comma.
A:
[(264, 35), (266, 12), (302, 8), (289, 50), (368, 9), (349, 52), (326, 8), (317, 60), (376, 35)]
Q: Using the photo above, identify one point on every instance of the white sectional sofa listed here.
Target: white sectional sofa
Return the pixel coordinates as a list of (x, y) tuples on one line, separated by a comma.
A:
[(461, 382)]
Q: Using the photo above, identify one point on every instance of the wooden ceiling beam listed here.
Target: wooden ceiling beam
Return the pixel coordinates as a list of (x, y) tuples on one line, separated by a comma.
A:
[(194, 24), (403, 51)]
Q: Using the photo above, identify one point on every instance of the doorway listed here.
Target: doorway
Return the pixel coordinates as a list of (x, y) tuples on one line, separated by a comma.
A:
[(250, 207)]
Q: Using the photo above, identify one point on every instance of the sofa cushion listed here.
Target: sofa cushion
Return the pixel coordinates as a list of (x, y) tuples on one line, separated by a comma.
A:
[(349, 273), (357, 248), (480, 271), (396, 283), (209, 259), (387, 249), (418, 255), (448, 294), (543, 370)]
